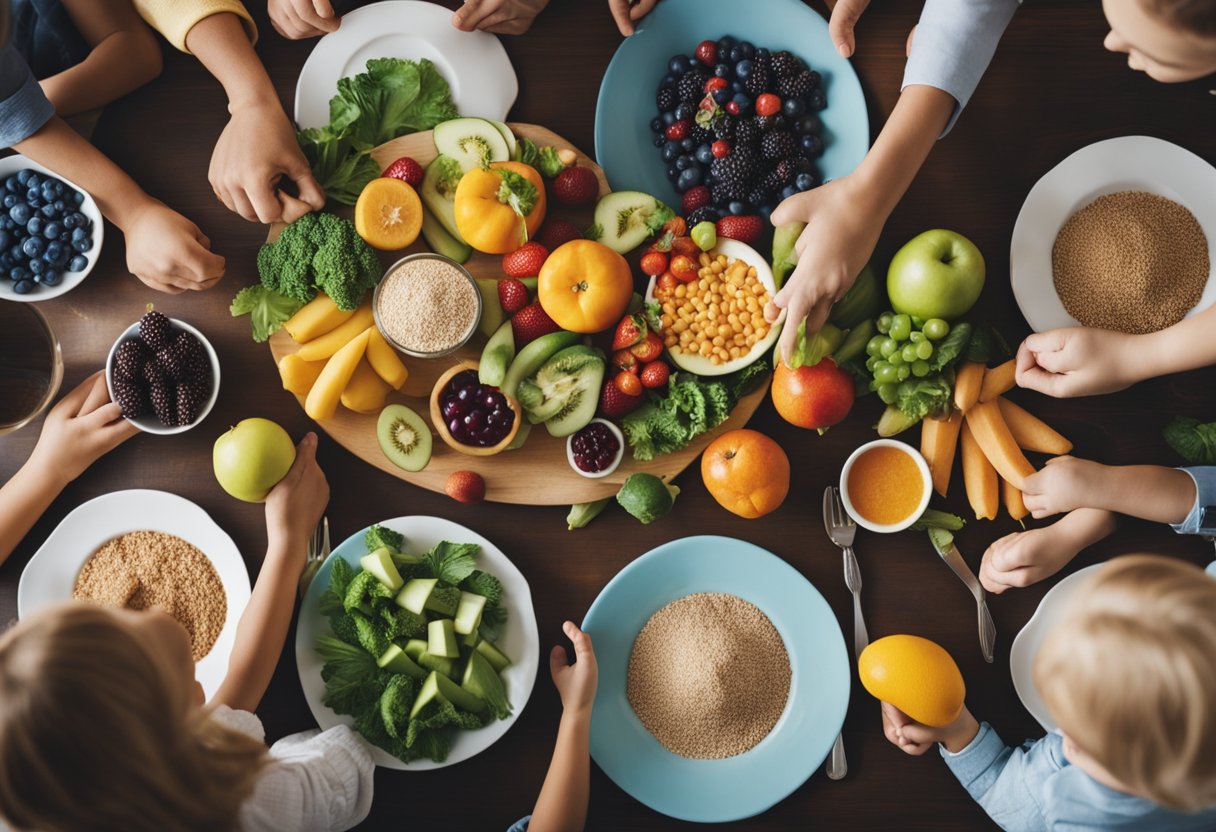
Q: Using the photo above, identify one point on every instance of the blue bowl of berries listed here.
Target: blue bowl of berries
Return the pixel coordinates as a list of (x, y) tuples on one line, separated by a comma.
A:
[(164, 374), (727, 108), (50, 232)]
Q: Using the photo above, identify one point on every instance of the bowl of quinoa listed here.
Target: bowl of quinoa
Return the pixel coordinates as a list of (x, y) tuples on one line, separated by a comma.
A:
[(427, 305)]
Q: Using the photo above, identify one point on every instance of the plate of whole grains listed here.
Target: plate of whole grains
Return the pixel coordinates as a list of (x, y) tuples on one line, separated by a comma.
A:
[(1121, 235), (140, 549), (724, 679)]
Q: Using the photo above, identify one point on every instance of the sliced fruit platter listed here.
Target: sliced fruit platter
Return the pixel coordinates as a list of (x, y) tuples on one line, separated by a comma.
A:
[(508, 304)]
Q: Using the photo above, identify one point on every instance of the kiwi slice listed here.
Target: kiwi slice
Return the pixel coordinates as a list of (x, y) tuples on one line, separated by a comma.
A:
[(626, 219), (404, 437), (562, 384), (472, 142)]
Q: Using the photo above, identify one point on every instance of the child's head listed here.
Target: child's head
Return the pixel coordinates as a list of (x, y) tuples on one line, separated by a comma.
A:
[(101, 728), (1129, 676), (1170, 40)]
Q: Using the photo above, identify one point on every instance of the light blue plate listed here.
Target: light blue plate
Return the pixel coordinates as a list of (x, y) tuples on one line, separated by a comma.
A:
[(745, 785), (624, 145)]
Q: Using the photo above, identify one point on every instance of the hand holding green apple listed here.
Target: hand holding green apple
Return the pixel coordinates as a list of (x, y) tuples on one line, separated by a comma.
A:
[(251, 458), (937, 274)]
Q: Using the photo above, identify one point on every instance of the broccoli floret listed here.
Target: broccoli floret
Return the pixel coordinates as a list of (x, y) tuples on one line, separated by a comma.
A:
[(320, 251), (370, 638), (400, 623), (285, 266), (378, 537), (485, 584), (395, 704)]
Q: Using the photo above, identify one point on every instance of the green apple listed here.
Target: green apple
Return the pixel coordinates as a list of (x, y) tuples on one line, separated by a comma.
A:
[(251, 458), (937, 274)]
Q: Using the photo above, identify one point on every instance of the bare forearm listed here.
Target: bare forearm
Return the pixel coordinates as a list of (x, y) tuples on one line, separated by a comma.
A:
[(1187, 345), (122, 62), (562, 804), (1084, 527), (23, 499), (221, 45), (1150, 492)]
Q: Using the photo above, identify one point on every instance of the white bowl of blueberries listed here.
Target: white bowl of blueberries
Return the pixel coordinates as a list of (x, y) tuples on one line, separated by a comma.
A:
[(50, 232)]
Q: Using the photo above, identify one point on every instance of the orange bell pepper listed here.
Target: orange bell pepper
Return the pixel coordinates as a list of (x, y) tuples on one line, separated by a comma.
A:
[(498, 208)]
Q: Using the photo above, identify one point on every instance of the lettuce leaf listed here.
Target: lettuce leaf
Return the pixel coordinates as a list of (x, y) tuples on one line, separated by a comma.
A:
[(267, 310), (1191, 440)]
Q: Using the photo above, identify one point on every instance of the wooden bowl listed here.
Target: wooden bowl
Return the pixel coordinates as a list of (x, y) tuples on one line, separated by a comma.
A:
[(440, 424)]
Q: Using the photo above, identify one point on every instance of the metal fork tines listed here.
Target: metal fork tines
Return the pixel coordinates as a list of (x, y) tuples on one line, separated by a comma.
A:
[(842, 530), (318, 551)]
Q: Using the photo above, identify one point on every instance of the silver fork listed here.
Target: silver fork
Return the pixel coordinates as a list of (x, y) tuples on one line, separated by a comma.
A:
[(841, 530), (318, 551)]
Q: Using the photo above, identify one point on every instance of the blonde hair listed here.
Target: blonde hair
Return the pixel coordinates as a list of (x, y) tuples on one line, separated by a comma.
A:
[(1130, 675), (95, 735)]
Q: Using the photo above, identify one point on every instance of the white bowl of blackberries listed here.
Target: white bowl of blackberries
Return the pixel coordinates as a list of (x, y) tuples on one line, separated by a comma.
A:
[(163, 373)]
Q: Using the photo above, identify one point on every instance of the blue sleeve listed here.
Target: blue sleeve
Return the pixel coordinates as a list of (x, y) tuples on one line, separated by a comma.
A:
[(954, 42), (1205, 503), (1007, 782), (23, 106), (520, 825)]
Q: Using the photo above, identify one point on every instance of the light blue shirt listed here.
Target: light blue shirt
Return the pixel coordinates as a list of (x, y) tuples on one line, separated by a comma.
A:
[(23, 106), (1205, 501), (1035, 789), (520, 825), (953, 45)]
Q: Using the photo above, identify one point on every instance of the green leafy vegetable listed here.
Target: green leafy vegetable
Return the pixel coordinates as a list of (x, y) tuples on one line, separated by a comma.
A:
[(379, 537), (320, 251), (515, 190), (395, 704), (492, 622), (934, 519), (930, 396), (268, 310), (1192, 440), (369, 635), (349, 674), (484, 584), (548, 160), (333, 599), (583, 513), (452, 562), (951, 348)]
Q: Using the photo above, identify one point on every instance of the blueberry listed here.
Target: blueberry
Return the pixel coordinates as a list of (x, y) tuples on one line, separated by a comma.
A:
[(659, 141), (32, 246), (33, 199), (804, 182), (56, 253), (672, 174), (10, 200), (684, 111), (19, 273), (793, 107), (48, 211), (23, 287), (78, 197), (780, 122), (743, 68), (747, 50), (690, 178), (79, 234), (23, 176), (48, 191), (721, 96), (670, 151), (60, 206), (804, 165), (743, 101), (4, 239), (16, 254), (51, 277), (816, 100), (6, 262), (788, 191), (763, 52), (765, 210), (6, 222), (684, 163), (670, 78), (20, 213), (705, 154), (78, 263), (677, 65), (737, 208), (34, 226), (37, 265), (72, 220), (59, 187), (669, 118), (688, 145), (812, 144), (82, 245), (806, 124), (33, 180), (726, 42), (723, 71)]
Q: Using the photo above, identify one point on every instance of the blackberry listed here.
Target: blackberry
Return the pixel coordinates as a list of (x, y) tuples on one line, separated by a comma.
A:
[(759, 195), (188, 403), (786, 65), (174, 360), (724, 127), (130, 397), (778, 176), (164, 401), (776, 145), (735, 172), (758, 81), (129, 358), (691, 86), (765, 123), (746, 134), (665, 100), (699, 135), (154, 328), (703, 214), (798, 86)]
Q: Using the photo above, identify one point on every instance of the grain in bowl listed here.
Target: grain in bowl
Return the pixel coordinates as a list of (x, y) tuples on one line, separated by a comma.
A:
[(427, 305)]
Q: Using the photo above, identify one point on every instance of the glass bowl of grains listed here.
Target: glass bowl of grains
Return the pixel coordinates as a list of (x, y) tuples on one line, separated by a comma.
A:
[(427, 305)]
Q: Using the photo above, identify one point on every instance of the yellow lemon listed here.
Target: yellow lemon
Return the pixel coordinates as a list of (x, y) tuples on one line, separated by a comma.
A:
[(915, 675)]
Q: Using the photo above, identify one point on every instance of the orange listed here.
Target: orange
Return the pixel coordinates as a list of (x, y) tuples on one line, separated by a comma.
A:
[(486, 214), (915, 675), (584, 286), (388, 214), (746, 472), (812, 397)]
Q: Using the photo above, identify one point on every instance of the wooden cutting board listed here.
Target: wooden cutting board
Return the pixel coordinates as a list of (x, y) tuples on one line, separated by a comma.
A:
[(538, 473)]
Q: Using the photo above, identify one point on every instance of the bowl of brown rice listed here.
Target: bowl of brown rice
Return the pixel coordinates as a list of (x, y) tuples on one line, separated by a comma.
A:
[(427, 305)]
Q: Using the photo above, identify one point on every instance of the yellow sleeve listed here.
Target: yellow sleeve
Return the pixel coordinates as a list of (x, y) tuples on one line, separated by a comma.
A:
[(175, 18)]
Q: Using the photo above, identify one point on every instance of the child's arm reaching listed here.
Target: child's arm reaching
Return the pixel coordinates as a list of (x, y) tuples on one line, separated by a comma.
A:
[(1150, 492), (1024, 558), (82, 427), (293, 510), (562, 804)]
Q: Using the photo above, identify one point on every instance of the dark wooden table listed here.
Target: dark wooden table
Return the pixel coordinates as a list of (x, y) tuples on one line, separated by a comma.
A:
[(1051, 90)]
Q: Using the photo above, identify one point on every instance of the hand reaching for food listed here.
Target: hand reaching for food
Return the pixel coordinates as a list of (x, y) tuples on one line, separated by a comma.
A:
[(1077, 361), (576, 682), (80, 429), (1024, 558), (298, 19), (845, 14), (1063, 484), (295, 505), (626, 13), (912, 737), (168, 252), (502, 17)]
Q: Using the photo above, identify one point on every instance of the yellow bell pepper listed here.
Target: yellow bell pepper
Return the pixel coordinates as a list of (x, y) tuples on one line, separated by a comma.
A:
[(498, 208)]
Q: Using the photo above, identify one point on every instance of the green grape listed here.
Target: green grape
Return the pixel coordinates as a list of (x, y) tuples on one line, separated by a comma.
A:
[(888, 348), (916, 337), (887, 374), (917, 322), (909, 352), (901, 327), (924, 350), (873, 361), (888, 393), (904, 370), (883, 324), (873, 385), (920, 368), (896, 358), (936, 329), (874, 345)]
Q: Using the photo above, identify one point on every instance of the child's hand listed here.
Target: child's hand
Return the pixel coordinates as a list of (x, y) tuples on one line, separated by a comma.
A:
[(1077, 361), (297, 19), (256, 150), (911, 737), (845, 14), (628, 12), (576, 682), (295, 505), (833, 249), (1024, 558), (168, 252), (82, 427), (502, 17), (1063, 484)]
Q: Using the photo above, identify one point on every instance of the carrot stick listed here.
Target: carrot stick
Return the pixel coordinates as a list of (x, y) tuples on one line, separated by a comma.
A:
[(992, 434), (998, 380), (938, 443), (1030, 432), (967, 385), (979, 477), (1014, 504)]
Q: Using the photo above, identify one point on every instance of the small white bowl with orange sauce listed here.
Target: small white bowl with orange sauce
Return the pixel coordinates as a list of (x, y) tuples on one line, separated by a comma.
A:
[(885, 485)]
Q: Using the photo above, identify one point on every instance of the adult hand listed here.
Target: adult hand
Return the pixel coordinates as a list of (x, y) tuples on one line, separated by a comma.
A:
[(839, 238), (502, 17), (576, 682), (80, 429), (168, 252), (256, 150), (295, 505), (628, 12), (1063, 484), (912, 737), (845, 14), (1077, 361), (297, 19)]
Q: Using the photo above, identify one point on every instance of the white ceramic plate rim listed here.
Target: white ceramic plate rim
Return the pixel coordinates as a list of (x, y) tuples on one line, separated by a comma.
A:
[(50, 575), (1027, 642), (17, 162), (474, 64), (520, 640), (1127, 163)]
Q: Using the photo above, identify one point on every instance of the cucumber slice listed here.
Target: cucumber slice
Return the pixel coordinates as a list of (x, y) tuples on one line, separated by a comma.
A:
[(441, 242), (531, 357), (497, 356), (441, 639), (497, 659), (398, 661), (472, 142), (414, 595), (468, 613), (380, 563), (438, 193), (481, 680), (626, 219)]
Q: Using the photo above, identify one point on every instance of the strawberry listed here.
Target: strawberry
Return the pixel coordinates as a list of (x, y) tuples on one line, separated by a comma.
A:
[(684, 268), (405, 169), (768, 104), (685, 246), (745, 229), (628, 383), (676, 227), (715, 83), (625, 362), (575, 186), (530, 323), (706, 52), (677, 131), (720, 149), (655, 374), (555, 233), (694, 198), (525, 261), (650, 348), (465, 487), (631, 330), (512, 295), (614, 403), (654, 263)]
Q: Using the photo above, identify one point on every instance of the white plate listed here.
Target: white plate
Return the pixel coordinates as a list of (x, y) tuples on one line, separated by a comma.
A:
[(473, 63), (1129, 163), (50, 575), (17, 162), (519, 639), (1027, 642)]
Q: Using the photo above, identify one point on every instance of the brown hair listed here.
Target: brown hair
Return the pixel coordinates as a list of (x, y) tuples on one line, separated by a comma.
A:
[(1130, 676), (95, 735), (1195, 17)]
